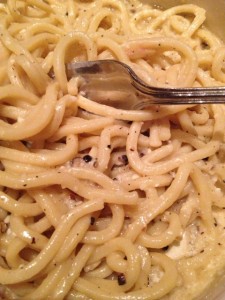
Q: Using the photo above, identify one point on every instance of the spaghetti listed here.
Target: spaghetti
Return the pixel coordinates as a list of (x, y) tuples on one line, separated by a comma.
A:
[(98, 202)]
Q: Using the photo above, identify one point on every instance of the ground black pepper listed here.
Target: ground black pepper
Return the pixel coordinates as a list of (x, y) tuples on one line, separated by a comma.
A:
[(121, 279), (92, 220), (87, 158)]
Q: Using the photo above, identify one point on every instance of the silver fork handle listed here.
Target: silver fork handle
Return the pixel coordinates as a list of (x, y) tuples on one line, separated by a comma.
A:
[(179, 96)]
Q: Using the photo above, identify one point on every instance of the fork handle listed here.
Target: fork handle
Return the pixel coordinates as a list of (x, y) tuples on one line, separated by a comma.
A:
[(179, 96), (176, 96)]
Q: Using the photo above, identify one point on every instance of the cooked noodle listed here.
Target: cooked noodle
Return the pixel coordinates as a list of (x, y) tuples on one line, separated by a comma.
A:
[(98, 202)]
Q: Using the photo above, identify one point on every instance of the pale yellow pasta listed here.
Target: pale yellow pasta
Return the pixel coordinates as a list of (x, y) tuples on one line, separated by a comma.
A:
[(100, 203)]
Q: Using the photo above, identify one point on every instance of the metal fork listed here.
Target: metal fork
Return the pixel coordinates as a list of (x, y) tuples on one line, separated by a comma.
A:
[(115, 84)]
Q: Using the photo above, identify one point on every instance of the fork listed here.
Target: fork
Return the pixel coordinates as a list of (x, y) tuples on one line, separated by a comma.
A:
[(114, 83)]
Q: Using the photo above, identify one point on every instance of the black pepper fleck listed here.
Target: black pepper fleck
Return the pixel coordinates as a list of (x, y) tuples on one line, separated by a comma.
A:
[(124, 159), (215, 223), (121, 279), (87, 158), (92, 221)]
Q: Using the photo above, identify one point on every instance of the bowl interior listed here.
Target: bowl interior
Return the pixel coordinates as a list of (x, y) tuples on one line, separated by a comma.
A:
[(215, 12)]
